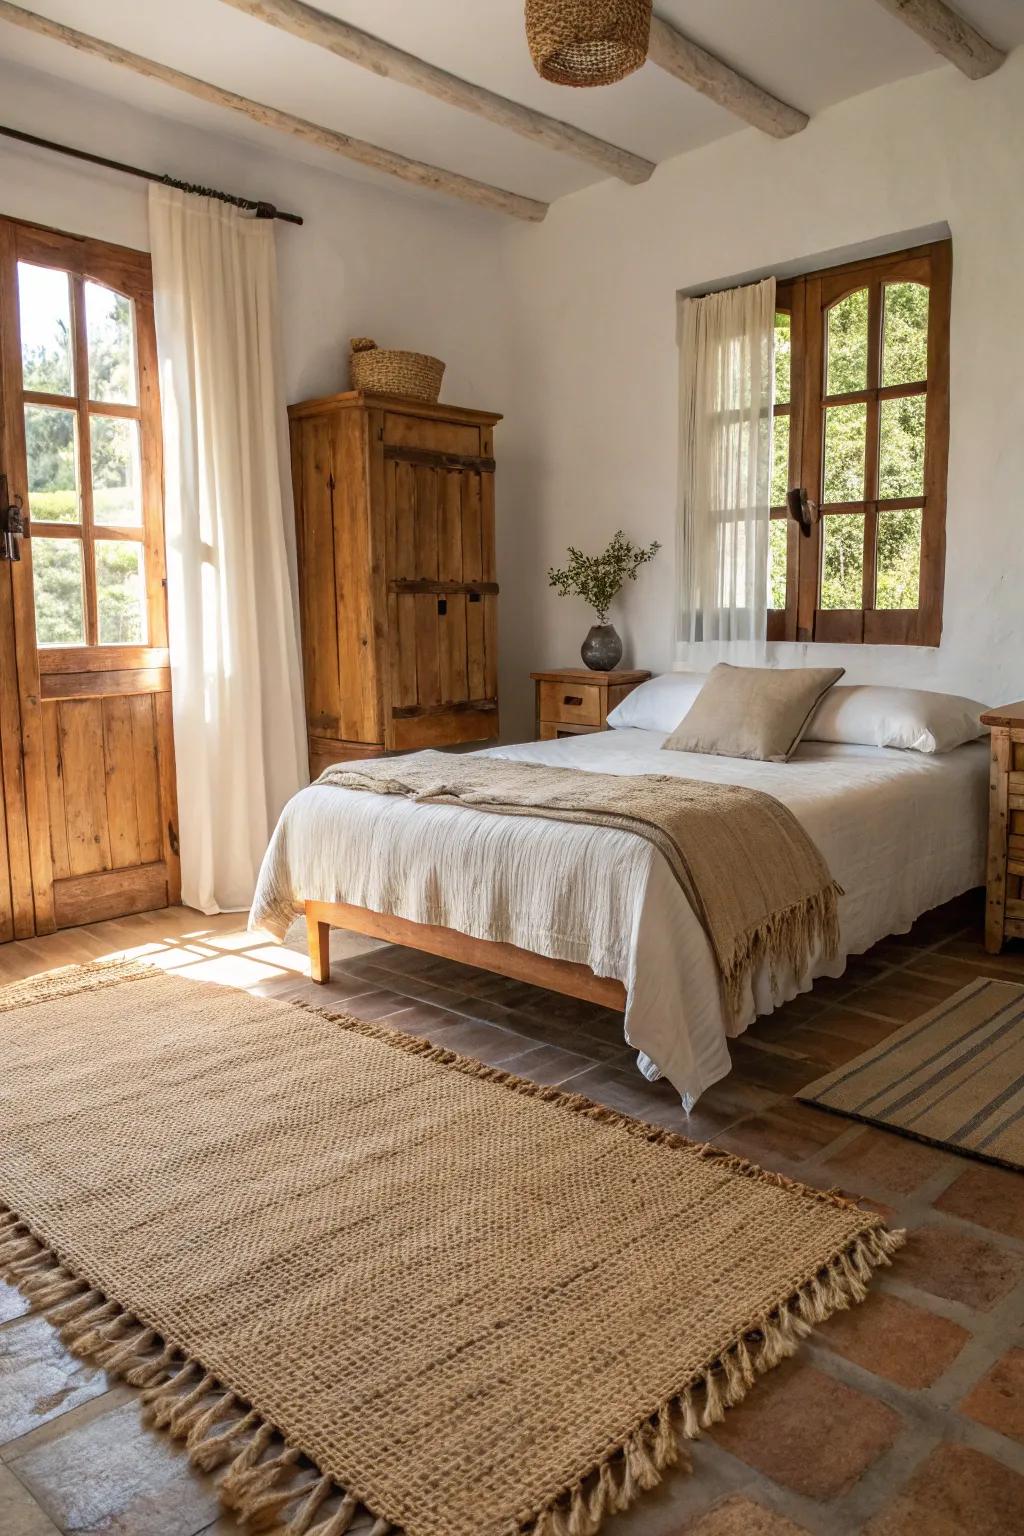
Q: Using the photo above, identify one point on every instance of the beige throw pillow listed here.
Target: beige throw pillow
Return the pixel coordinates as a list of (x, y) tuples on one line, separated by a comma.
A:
[(759, 712)]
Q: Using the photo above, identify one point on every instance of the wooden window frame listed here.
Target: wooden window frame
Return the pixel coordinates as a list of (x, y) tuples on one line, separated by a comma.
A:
[(128, 273), (807, 300)]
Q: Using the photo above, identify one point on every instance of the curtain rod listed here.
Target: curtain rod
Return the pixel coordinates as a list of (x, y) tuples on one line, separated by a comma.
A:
[(261, 210)]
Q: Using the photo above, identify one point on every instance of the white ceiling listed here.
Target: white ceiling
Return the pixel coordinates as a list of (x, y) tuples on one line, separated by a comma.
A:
[(812, 53)]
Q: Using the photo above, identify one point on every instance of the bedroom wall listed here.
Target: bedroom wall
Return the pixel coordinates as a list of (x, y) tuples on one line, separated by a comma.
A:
[(411, 269), (591, 440)]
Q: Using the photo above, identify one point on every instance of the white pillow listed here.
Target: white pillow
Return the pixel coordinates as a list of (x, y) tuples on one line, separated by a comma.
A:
[(910, 718), (659, 704)]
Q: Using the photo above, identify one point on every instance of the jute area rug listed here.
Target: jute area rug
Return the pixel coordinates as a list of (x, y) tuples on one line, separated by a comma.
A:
[(954, 1077), (352, 1269)]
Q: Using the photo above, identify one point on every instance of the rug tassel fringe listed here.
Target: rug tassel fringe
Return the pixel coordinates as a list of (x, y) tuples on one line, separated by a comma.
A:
[(640, 1461), (193, 1405)]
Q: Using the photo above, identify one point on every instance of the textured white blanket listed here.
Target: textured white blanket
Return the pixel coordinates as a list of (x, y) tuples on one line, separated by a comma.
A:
[(900, 831)]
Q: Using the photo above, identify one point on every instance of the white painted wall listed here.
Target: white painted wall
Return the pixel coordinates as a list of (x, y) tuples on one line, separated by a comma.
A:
[(590, 443), (413, 270)]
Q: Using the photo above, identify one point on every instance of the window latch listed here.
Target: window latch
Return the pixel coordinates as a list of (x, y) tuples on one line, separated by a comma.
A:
[(12, 523), (803, 511)]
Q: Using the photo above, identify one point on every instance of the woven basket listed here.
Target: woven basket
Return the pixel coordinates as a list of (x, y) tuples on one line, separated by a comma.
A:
[(381, 371), (588, 42)]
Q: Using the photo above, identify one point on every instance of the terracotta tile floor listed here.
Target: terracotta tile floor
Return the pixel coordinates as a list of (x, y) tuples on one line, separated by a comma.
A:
[(904, 1417)]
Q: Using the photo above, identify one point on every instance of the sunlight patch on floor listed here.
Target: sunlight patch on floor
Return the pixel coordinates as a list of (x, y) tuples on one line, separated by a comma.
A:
[(226, 971), (239, 940), (283, 957)]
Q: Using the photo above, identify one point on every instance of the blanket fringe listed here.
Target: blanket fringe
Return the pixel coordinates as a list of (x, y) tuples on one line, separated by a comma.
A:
[(271, 1485), (784, 942)]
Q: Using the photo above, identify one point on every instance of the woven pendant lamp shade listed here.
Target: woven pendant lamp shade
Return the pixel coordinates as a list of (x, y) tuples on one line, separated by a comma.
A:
[(588, 42)]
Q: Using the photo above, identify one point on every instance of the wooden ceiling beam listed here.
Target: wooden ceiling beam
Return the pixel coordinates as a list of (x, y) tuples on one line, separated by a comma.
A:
[(415, 172), (692, 64), (949, 34), (381, 58)]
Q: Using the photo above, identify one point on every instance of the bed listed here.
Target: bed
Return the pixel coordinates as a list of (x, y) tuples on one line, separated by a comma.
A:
[(596, 907)]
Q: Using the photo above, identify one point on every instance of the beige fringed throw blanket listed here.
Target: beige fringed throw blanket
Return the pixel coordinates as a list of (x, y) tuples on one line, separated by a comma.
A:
[(755, 880)]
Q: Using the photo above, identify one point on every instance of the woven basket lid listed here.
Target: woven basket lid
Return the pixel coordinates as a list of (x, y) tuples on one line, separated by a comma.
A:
[(588, 42)]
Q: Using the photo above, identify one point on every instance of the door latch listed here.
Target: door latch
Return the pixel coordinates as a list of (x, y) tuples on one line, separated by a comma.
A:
[(12, 524)]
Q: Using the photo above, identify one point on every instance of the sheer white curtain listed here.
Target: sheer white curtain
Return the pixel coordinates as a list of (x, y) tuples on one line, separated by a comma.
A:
[(725, 390), (235, 669)]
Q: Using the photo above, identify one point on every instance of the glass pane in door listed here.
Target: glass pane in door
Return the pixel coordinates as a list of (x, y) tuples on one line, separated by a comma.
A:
[(901, 441), (57, 582), (778, 546), (783, 356), (780, 460), (905, 334), (845, 452), (848, 344), (116, 471), (898, 583), (120, 592), (51, 441), (44, 308), (110, 329), (842, 561)]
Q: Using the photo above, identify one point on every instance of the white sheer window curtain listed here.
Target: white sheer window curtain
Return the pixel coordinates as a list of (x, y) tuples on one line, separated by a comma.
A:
[(726, 395), (235, 670)]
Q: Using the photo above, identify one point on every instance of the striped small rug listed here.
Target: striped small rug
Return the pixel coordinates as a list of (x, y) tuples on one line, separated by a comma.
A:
[(954, 1077)]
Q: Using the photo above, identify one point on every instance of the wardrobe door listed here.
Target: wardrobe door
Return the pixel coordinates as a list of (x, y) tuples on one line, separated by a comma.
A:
[(439, 550), (333, 538)]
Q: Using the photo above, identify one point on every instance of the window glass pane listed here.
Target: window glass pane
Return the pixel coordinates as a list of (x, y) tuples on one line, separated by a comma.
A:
[(848, 344), (845, 439), (780, 460), (898, 583), (116, 471), (51, 440), (842, 561), (120, 592), (783, 356), (905, 334), (778, 532), (57, 578), (44, 304), (901, 447), (110, 328)]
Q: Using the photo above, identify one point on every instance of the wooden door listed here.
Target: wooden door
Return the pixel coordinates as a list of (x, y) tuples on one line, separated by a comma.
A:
[(83, 612), (442, 593)]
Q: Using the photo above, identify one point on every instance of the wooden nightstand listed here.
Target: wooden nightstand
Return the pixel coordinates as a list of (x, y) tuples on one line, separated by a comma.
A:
[(575, 701), (1004, 907)]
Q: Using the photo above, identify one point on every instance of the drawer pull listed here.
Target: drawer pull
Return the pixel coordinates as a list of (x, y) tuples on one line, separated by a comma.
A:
[(573, 699)]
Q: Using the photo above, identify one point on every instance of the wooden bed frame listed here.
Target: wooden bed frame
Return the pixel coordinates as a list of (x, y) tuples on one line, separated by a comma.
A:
[(487, 954)]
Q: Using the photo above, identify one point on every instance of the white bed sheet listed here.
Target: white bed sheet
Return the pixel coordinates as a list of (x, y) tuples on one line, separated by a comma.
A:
[(900, 831)]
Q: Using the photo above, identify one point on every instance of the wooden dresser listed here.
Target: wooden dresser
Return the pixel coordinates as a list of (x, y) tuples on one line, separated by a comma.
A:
[(394, 509), (574, 700), (1004, 907)]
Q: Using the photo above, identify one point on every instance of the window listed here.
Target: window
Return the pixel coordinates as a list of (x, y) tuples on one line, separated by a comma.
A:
[(91, 451), (861, 424)]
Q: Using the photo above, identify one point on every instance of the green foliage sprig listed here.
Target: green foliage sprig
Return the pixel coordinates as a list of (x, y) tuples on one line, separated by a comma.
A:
[(598, 579)]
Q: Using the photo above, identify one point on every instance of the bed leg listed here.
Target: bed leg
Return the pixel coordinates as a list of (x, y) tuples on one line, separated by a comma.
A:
[(319, 936)]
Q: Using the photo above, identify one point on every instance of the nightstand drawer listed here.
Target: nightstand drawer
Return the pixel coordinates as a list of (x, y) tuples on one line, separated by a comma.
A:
[(571, 703)]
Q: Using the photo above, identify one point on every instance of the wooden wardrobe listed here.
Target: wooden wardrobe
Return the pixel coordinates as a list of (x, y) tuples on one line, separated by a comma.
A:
[(394, 509)]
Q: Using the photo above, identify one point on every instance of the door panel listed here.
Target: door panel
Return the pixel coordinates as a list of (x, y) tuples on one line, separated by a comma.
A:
[(91, 815), (441, 596), (103, 787)]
